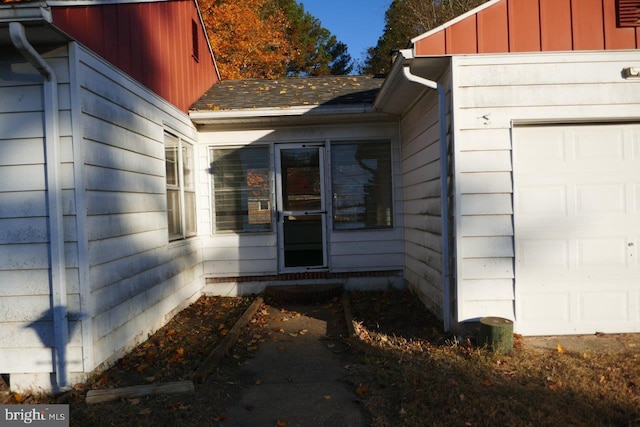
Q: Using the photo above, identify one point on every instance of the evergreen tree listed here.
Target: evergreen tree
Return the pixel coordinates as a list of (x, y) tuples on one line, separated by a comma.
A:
[(315, 51), (406, 19)]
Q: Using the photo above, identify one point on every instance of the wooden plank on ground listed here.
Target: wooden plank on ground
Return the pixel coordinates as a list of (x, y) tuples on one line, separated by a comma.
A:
[(201, 374), (348, 316), (109, 394)]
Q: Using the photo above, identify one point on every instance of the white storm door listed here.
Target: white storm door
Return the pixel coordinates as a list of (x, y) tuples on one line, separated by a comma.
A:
[(301, 207), (577, 228)]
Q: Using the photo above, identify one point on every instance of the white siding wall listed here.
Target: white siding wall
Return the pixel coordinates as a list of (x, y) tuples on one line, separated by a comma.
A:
[(423, 242), (229, 255), (26, 326), (135, 278), (491, 92)]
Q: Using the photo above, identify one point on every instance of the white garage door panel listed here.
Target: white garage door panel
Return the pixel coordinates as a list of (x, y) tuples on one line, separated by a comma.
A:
[(577, 222)]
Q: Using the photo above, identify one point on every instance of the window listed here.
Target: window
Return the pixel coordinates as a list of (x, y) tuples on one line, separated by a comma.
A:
[(242, 189), (361, 185), (195, 46), (181, 195)]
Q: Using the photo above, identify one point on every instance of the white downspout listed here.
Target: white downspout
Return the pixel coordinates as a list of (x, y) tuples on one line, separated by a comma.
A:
[(444, 191), (54, 199)]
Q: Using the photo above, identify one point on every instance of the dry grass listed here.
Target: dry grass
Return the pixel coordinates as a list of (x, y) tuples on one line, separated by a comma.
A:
[(416, 376)]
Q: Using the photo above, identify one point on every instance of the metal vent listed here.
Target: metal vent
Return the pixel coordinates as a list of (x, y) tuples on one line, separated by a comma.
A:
[(628, 12)]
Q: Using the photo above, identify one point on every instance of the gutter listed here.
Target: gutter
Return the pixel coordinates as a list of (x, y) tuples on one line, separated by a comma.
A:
[(408, 55), (54, 199)]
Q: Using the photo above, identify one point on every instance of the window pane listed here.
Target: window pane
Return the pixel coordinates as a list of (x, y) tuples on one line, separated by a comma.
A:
[(242, 190), (301, 179), (361, 185), (171, 160), (190, 213), (187, 165), (173, 214)]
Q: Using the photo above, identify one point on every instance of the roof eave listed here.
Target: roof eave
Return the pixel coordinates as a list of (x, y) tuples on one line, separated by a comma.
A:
[(397, 93), (284, 115), (25, 12)]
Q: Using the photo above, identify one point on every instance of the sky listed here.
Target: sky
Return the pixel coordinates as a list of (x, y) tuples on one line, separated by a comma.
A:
[(357, 23)]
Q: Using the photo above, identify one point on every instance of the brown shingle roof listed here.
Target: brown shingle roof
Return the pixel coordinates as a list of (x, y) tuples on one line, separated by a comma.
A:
[(290, 92)]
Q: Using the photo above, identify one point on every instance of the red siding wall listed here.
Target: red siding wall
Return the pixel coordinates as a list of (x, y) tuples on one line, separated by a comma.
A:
[(533, 26), (151, 42)]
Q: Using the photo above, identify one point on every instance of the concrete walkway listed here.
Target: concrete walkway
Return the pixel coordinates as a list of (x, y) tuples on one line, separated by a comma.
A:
[(297, 376), (586, 343)]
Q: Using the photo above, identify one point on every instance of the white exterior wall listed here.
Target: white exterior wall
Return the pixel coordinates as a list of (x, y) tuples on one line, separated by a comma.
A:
[(256, 254), (134, 280), (421, 168), (26, 325), (491, 93)]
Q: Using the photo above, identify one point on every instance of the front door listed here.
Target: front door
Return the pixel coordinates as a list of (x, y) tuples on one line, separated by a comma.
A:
[(301, 207)]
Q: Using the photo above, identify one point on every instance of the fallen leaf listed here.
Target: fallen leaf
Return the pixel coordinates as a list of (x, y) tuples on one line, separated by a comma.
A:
[(18, 397), (281, 347), (555, 386), (134, 401), (362, 390), (282, 423), (487, 383), (220, 417), (560, 348), (303, 331), (327, 397), (145, 411), (293, 334), (257, 382), (171, 332)]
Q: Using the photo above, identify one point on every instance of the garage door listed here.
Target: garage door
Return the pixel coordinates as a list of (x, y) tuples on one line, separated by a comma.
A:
[(577, 228)]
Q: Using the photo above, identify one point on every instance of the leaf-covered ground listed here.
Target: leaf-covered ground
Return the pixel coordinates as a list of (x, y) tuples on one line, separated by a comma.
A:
[(414, 375), (403, 369), (173, 353)]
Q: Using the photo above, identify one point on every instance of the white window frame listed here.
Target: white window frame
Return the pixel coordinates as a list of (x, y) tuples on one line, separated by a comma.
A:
[(182, 188)]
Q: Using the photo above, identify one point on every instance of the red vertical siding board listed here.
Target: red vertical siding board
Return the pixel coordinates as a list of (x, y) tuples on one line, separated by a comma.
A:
[(432, 45), (462, 37), (555, 25), (125, 41), (616, 37), (588, 29), (149, 41), (493, 30), (95, 29), (524, 26), (143, 43), (183, 54), (110, 34)]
